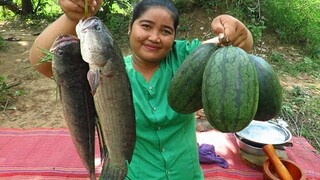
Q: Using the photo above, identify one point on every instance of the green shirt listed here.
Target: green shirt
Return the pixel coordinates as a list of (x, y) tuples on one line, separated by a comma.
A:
[(166, 146)]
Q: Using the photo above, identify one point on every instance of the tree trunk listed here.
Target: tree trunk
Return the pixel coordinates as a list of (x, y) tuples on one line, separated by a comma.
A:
[(27, 7)]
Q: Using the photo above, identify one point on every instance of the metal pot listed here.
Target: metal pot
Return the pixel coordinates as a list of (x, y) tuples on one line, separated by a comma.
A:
[(255, 148), (260, 133), (248, 148)]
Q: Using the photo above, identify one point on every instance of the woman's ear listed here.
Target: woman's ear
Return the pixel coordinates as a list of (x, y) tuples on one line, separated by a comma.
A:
[(129, 28)]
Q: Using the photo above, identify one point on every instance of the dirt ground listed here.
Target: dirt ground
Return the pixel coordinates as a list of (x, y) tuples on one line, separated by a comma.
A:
[(39, 107)]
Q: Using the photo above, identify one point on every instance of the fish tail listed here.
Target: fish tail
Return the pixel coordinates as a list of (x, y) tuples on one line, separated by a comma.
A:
[(113, 172)]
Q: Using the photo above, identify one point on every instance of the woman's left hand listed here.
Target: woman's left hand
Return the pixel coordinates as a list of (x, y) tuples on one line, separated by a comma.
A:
[(232, 32)]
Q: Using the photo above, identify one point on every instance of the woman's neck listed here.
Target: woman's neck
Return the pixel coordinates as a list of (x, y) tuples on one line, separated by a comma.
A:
[(147, 69)]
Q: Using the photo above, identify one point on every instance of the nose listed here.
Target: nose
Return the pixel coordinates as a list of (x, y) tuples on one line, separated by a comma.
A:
[(154, 36)]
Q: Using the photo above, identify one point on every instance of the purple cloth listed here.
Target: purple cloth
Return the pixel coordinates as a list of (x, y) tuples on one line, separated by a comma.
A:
[(208, 155)]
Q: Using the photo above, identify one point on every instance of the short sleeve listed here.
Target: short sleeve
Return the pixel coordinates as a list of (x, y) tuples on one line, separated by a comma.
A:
[(182, 48)]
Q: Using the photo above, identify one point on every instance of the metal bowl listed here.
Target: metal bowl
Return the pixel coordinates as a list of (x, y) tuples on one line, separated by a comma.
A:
[(265, 132), (249, 148), (256, 149)]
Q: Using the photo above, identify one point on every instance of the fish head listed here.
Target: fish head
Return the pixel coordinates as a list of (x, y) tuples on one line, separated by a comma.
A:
[(95, 41), (65, 50)]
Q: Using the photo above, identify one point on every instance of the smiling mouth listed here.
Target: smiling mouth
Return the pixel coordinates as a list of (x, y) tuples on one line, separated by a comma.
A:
[(152, 48)]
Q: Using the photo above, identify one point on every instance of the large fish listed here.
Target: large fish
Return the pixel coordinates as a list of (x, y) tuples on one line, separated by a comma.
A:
[(70, 74), (112, 95)]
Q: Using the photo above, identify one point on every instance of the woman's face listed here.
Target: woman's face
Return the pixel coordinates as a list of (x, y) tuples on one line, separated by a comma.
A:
[(152, 35)]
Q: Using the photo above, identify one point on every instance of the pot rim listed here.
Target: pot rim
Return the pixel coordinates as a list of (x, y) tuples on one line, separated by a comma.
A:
[(265, 132)]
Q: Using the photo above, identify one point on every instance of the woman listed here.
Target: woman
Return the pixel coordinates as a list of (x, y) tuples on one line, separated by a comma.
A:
[(166, 146)]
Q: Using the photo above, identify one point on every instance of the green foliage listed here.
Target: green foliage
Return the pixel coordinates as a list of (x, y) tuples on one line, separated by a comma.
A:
[(48, 56), (41, 9), (6, 91), (310, 66), (304, 65), (295, 21), (282, 64), (117, 7), (302, 112), (47, 9), (3, 90), (116, 16), (248, 11), (2, 43), (256, 28), (119, 30)]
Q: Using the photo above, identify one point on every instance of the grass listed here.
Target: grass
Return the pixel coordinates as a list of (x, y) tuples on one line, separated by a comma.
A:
[(297, 66), (7, 92), (299, 22), (3, 44), (301, 110)]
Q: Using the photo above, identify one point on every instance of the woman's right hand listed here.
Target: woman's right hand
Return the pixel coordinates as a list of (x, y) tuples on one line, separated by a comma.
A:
[(74, 9)]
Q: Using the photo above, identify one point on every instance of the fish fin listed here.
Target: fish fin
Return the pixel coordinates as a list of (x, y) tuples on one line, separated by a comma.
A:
[(113, 171), (93, 77), (102, 143)]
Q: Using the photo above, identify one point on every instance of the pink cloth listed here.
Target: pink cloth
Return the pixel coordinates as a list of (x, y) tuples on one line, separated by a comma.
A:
[(225, 145), (48, 154)]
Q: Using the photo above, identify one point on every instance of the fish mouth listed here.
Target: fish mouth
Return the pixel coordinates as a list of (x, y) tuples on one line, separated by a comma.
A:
[(63, 40), (89, 23)]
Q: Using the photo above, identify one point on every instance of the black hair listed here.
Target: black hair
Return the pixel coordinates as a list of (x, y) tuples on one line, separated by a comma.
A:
[(144, 5)]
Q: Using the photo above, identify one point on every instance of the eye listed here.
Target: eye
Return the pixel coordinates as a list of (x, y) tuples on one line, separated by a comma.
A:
[(97, 27), (59, 52), (146, 26), (166, 32)]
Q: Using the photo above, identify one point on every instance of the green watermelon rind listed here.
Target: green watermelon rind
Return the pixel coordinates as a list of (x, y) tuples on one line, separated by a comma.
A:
[(184, 93), (230, 90), (270, 90)]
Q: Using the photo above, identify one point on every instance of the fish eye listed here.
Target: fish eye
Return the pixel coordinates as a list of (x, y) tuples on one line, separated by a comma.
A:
[(97, 27), (59, 52)]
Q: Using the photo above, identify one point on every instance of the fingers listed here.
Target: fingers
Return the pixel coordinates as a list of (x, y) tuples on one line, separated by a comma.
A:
[(81, 3), (231, 31), (67, 6), (224, 26), (217, 26), (240, 34), (95, 6), (74, 9)]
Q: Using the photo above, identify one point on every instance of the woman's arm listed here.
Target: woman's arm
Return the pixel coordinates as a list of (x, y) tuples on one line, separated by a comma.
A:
[(62, 25)]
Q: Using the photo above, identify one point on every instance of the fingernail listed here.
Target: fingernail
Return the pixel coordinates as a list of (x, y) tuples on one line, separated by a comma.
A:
[(94, 3)]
